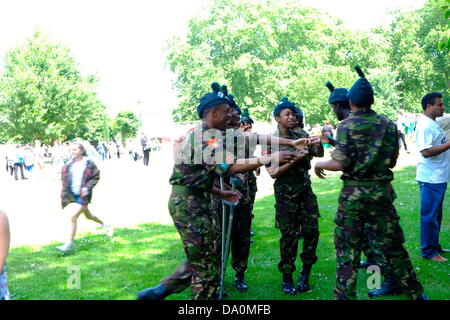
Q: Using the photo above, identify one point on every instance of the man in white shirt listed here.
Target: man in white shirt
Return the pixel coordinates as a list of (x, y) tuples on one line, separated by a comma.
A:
[(401, 125), (433, 174)]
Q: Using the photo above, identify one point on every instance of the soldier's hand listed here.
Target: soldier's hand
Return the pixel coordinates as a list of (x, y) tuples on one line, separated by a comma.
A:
[(282, 157), (258, 171), (230, 196), (319, 172), (316, 140), (301, 143), (301, 154)]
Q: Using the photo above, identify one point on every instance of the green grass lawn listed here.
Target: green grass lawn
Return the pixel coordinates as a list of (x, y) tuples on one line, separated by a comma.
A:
[(134, 259)]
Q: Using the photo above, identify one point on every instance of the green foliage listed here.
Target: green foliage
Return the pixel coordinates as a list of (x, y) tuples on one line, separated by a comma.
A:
[(445, 43), (414, 53), (264, 50), (44, 96), (126, 124)]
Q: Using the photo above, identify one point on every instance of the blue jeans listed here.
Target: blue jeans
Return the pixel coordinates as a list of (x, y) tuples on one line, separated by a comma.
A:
[(431, 200)]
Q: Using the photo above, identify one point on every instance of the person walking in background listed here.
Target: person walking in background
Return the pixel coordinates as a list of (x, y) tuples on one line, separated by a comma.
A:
[(145, 149), (39, 155), (79, 178), (112, 148), (401, 128), (4, 249), (101, 151), (328, 130), (28, 158), (433, 174), (18, 163)]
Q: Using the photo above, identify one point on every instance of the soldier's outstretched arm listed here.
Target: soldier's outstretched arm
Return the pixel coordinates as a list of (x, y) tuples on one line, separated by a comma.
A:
[(278, 171), (298, 144), (244, 165), (330, 165)]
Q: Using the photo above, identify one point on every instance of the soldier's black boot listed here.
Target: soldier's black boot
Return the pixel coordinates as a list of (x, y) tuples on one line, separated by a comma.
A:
[(390, 287), (156, 293), (303, 279), (240, 283), (288, 284)]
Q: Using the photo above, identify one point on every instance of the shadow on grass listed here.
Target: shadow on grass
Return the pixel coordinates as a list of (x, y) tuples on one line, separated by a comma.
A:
[(137, 258), (110, 268)]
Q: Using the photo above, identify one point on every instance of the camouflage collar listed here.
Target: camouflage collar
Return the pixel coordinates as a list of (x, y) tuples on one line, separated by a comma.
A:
[(280, 134), (205, 126), (363, 111)]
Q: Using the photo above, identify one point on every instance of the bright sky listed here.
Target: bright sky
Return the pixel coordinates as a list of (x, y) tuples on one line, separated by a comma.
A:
[(121, 41)]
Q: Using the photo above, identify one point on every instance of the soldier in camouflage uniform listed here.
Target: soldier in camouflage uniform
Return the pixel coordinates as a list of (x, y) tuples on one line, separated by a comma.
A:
[(246, 126), (189, 208), (366, 150), (297, 212), (242, 148), (339, 103)]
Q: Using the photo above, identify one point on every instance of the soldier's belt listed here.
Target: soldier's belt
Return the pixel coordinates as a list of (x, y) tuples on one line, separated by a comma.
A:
[(178, 189), (382, 184)]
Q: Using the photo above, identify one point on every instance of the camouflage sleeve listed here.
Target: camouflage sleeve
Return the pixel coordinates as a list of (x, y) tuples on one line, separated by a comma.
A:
[(344, 148), (265, 151)]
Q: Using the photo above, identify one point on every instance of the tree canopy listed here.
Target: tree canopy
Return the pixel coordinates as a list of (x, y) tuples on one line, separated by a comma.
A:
[(126, 124), (44, 96), (264, 50)]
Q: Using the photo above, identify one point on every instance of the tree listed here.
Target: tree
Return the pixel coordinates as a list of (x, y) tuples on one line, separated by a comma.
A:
[(126, 124), (264, 50), (414, 53), (445, 43), (44, 96)]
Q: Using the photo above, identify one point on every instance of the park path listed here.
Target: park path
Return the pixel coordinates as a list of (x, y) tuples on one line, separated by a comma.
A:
[(127, 195)]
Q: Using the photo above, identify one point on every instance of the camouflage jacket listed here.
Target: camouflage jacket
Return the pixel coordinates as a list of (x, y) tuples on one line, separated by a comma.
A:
[(199, 159), (367, 147), (298, 176), (238, 143)]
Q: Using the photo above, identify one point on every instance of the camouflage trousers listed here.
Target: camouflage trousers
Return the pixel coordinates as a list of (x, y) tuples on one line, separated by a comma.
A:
[(366, 213), (195, 224), (252, 187), (240, 232), (297, 216), (370, 255)]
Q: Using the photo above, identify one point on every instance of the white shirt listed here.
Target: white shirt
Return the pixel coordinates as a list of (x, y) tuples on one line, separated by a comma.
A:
[(77, 171), (432, 169)]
